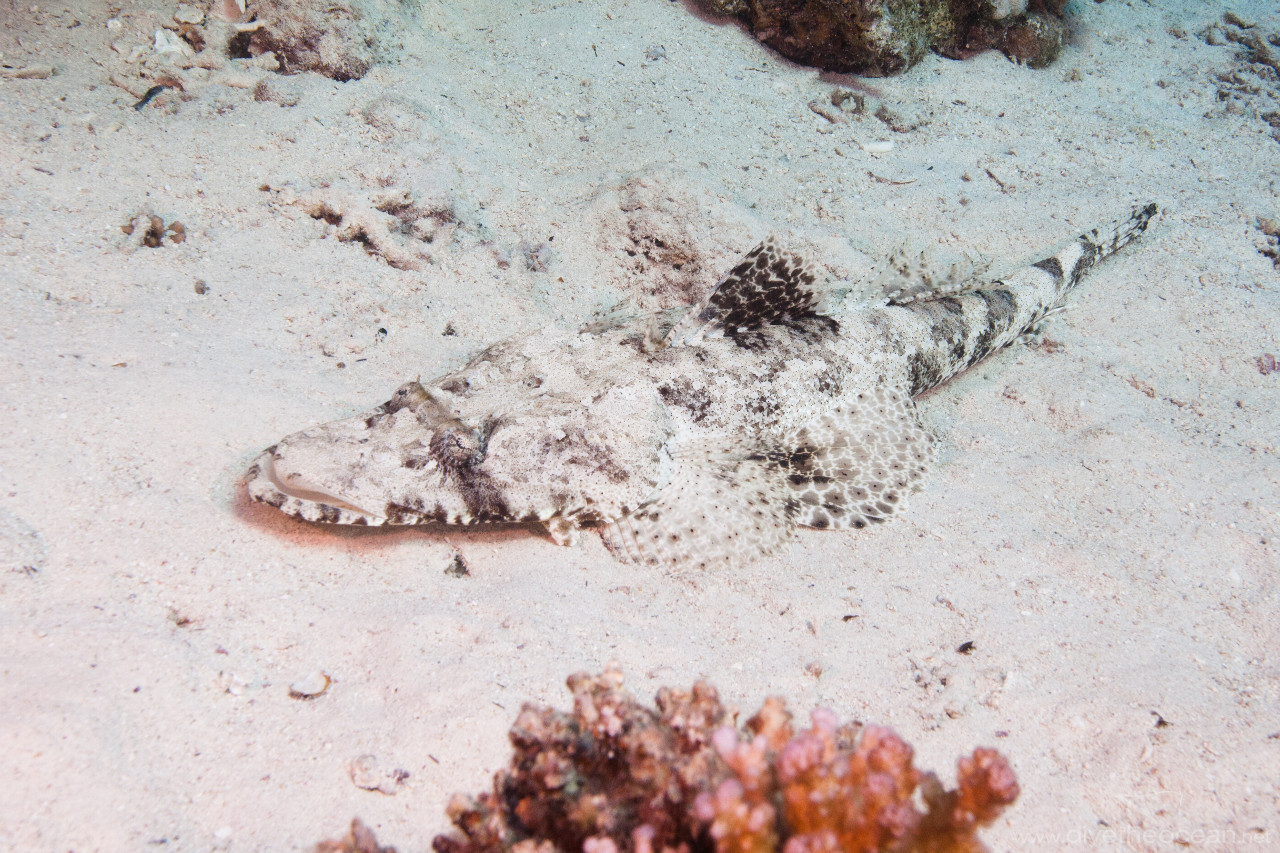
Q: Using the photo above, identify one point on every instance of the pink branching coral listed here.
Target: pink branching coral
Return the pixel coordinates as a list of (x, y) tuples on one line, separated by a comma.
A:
[(613, 776)]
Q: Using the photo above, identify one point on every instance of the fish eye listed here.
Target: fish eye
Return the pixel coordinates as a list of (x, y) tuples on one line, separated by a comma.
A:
[(459, 447)]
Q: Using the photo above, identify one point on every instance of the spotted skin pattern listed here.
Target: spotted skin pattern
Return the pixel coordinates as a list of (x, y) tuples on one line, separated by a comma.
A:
[(692, 438)]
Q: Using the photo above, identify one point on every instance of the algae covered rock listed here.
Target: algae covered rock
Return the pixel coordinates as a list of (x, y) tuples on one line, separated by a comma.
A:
[(1033, 36), (884, 37)]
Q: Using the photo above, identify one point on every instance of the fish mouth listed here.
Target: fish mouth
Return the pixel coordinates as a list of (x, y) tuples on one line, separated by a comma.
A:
[(301, 499)]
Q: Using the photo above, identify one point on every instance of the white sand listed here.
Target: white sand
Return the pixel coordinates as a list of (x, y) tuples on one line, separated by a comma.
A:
[(1102, 524)]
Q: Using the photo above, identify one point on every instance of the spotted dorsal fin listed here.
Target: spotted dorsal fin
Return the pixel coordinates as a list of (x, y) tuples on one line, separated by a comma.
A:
[(768, 286)]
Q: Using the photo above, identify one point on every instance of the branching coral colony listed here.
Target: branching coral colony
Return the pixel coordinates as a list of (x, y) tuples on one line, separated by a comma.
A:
[(616, 777)]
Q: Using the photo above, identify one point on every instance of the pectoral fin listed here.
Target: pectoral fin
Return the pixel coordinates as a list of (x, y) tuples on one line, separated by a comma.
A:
[(856, 465), (724, 505), (731, 503)]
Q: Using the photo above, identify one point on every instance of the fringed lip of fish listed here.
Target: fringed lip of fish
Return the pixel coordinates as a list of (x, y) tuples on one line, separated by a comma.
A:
[(311, 505), (265, 486)]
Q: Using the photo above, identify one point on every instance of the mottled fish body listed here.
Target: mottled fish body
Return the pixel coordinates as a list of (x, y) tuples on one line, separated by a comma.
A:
[(696, 436)]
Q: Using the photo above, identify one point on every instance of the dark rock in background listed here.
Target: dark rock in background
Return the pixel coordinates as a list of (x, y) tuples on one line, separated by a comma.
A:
[(879, 38)]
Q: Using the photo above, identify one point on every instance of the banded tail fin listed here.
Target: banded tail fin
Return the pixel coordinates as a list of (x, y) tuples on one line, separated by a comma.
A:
[(1070, 264), (1110, 239), (960, 330), (909, 276)]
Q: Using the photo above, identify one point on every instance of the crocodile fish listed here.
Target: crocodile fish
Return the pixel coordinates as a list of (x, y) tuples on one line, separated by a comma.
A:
[(699, 436)]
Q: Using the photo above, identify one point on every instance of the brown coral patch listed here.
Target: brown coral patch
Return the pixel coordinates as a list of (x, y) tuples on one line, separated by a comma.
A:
[(149, 230), (613, 776)]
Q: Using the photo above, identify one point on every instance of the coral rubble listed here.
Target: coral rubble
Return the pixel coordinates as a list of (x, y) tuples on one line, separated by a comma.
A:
[(341, 39), (359, 839), (885, 37), (337, 39), (613, 776), (1250, 86)]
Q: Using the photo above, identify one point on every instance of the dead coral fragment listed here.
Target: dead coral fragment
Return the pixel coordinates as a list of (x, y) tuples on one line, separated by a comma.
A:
[(147, 229), (390, 224), (335, 38), (1270, 229), (616, 777), (341, 39)]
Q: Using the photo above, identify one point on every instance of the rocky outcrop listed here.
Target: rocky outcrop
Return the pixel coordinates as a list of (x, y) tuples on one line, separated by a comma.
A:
[(884, 37)]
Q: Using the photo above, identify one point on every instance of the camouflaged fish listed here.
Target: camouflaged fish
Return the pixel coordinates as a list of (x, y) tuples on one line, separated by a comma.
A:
[(693, 437)]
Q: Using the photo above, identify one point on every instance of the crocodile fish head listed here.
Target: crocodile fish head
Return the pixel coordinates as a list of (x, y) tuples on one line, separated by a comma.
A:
[(427, 455)]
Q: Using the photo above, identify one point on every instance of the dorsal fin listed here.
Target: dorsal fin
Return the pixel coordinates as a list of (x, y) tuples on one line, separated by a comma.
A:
[(911, 275), (768, 286)]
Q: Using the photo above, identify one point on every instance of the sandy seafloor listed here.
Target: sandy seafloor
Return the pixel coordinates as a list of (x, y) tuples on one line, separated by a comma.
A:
[(1102, 524)]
